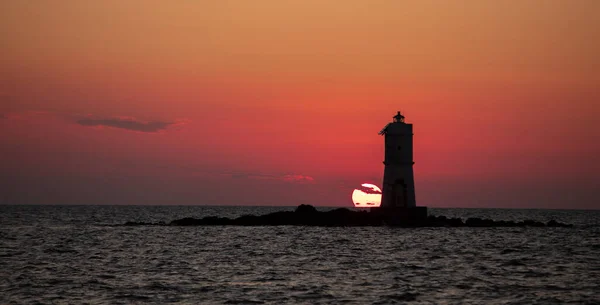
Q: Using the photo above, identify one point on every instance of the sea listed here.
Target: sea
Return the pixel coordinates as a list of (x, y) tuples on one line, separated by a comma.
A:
[(84, 255)]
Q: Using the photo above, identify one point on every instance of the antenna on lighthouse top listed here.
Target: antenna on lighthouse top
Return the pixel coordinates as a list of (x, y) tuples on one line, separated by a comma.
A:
[(399, 118)]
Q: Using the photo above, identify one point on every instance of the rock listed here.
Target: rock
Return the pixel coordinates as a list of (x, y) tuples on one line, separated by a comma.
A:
[(455, 222), (206, 221), (307, 215), (306, 209), (188, 221), (478, 222), (247, 220)]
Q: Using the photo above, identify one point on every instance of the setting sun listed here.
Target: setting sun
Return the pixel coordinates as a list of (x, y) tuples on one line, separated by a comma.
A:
[(368, 195)]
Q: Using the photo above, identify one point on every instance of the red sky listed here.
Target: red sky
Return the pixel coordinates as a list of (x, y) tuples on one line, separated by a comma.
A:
[(279, 102)]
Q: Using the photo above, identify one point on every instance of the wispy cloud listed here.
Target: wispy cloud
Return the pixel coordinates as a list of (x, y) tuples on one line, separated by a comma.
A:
[(368, 190), (127, 123), (291, 178), (298, 178)]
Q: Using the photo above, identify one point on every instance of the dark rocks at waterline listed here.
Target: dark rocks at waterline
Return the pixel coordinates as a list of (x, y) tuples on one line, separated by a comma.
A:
[(304, 215), (307, 215)]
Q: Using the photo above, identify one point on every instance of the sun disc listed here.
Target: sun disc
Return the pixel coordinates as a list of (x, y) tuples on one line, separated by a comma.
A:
[(368, 195)]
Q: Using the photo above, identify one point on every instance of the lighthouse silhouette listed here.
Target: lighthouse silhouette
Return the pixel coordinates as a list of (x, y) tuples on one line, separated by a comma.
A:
[(398, 176), (398, 202)]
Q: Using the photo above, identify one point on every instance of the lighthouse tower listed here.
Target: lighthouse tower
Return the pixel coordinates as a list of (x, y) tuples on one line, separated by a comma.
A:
[(398, 177)]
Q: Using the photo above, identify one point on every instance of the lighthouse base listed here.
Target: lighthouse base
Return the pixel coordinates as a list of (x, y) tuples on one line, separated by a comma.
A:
[(401, 216)]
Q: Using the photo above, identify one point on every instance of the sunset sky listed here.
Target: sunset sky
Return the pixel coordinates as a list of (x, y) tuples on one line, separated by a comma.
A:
[(276, 102)]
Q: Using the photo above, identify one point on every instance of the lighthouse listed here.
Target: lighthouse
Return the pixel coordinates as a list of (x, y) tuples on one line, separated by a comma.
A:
[(398, 204), (398, 176)]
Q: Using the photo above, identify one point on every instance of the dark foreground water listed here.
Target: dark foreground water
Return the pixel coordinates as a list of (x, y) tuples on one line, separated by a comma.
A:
[(76, 255)]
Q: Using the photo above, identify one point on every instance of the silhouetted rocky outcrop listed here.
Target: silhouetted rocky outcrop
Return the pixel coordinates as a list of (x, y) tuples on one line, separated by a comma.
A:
[(306, 209), (307, 215)]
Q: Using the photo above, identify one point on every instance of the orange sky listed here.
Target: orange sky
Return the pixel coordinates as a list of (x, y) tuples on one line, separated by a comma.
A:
[(279, 102)]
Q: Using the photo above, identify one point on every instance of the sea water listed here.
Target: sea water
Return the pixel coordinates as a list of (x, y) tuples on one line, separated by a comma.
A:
[(82, 255)]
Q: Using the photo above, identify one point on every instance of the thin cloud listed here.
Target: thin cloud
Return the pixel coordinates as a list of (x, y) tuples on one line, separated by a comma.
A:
[(291, 178), (127, 123), (298, 178), (368, 190)]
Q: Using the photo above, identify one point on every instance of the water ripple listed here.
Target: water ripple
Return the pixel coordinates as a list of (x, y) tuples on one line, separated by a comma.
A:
[(69, 261)]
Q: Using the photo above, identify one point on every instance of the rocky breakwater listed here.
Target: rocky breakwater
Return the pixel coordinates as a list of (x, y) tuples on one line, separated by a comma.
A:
[(307, 215)]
